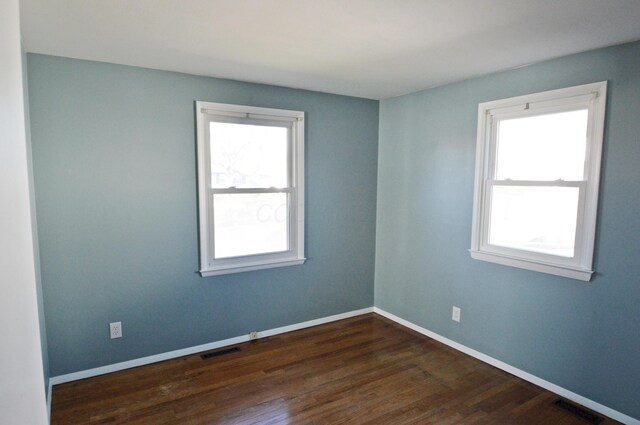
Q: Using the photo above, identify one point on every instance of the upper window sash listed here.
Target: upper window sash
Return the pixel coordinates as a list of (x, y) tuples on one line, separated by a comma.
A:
[(254, 120), (532, 109)]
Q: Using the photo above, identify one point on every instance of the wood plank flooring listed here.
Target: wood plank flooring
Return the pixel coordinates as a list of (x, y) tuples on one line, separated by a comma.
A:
[(366, 369)]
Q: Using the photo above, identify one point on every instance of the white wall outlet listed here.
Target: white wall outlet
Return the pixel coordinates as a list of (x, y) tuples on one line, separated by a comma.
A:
[(455, 314), (115, 330), (253, 335)]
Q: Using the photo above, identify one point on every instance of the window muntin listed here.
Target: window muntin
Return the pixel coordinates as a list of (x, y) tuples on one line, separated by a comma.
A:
[(251, 187), (537, 174)]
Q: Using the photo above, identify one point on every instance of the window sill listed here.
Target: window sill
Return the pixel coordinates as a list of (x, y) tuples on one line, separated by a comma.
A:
[(558, 270), (250, 267)]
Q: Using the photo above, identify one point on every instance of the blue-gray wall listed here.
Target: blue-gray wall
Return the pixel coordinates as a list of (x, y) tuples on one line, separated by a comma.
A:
[(582, 336), (115, 182), (34, 230)]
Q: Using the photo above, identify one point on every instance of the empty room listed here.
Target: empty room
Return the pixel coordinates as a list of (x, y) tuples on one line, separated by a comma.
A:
[(320, 212)]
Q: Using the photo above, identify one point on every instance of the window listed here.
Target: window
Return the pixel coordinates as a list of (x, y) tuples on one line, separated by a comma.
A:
[(250, 188), (537, 175)]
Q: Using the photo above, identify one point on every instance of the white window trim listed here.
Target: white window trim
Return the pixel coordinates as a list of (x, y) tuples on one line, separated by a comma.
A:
[(592, 96), (205, 113)]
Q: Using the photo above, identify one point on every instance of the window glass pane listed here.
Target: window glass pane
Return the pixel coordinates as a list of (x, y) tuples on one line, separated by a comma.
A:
[(539, 219), (248, 155), (545, 147), (247, 224)]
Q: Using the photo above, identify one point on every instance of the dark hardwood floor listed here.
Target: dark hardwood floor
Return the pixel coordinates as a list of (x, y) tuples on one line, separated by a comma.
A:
[(366, 369)]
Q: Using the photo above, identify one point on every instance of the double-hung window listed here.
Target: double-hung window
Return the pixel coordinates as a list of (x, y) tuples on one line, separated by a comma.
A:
[(537, 177), (250, 187)]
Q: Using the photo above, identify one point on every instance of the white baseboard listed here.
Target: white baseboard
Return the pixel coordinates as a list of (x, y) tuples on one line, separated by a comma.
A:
[(590, 404), (61, 379)]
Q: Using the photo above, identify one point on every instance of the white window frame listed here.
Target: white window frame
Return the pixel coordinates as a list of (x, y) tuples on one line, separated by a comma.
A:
[(207, 112), (590, 96)]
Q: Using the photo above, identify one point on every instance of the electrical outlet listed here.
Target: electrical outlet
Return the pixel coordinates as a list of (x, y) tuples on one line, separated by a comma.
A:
[(115, 330), (253, 335), (455, 314)]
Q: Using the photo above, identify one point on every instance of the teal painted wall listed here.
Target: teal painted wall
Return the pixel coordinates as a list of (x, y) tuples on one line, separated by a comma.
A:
[(584, 337), (115, 182)]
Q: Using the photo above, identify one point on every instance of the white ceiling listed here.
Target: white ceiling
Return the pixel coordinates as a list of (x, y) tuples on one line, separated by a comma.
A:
[(367, 48)]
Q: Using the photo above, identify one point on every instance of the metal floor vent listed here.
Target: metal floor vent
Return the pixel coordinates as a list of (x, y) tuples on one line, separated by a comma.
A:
[(578, 411), (213, 354)]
